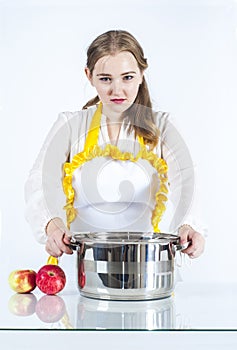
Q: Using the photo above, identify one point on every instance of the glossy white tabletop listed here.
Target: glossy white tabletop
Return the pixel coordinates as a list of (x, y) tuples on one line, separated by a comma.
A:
[(197, 315), (191, 307)]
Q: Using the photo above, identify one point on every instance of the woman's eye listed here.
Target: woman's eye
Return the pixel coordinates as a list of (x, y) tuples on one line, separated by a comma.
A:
[(128, 77), (106, 79)]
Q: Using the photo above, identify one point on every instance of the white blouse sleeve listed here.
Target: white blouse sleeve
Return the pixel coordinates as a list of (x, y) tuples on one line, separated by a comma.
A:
[(183, 204), (44, 195)]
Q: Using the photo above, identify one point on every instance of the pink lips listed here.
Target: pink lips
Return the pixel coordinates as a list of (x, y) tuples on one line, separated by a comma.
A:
[(118, 100)]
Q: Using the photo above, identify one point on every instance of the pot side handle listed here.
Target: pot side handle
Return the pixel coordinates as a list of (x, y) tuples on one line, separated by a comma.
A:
[(74, 244), (180, 247)]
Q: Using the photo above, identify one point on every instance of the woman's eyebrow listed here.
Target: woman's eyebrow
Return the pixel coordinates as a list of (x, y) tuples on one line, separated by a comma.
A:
[(104, 74), (109, 75), (131, 72)]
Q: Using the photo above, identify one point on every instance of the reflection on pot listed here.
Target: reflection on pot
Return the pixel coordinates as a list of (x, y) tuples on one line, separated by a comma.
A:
[(140, 315), (22, 304), (125, 265), (50, 308)]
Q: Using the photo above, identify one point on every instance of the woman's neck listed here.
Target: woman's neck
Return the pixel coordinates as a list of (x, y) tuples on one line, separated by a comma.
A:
[(114, 121), (113, 131), (111, 116)]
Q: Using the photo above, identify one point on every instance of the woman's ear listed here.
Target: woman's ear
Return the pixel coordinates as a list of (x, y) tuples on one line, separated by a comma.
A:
[(89, 75)]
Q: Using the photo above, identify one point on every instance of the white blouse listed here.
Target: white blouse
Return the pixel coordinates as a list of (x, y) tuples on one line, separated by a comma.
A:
[(110, 195)]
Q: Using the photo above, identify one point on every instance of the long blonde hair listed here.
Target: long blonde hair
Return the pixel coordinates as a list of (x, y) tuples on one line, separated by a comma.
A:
[(140, 113)]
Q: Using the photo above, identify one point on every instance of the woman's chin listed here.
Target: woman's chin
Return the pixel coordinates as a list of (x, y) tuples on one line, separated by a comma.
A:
[(114, 107)]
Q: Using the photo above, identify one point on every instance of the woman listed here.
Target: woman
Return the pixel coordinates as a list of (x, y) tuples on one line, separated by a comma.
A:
[(120, 163)]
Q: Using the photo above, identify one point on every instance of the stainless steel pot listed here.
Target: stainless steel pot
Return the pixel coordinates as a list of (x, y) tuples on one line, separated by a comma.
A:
[(125, 265)]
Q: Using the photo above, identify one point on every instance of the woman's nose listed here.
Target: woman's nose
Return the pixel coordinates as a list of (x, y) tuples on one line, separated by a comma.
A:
[(116, 87)]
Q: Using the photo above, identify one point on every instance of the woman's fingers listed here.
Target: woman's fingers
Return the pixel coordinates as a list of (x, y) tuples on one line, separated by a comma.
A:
[(67, 238), (192, 251), (57, 242), (196, 243)]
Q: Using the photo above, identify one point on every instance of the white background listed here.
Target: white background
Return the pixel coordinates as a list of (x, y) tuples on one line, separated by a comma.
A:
[(191, 48)]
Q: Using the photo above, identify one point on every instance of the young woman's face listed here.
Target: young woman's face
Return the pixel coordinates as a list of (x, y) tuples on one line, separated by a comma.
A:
[(116, 79)]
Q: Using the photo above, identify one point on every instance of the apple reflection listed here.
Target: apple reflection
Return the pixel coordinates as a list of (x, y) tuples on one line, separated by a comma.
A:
[(22, 304), (50, 308)]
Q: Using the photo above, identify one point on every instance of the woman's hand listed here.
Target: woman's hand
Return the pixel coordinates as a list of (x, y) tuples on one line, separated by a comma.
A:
[(196, 241), (58, 238)]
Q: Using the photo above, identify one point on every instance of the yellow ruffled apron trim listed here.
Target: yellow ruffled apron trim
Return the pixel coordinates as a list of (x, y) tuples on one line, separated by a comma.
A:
[(93, 150)]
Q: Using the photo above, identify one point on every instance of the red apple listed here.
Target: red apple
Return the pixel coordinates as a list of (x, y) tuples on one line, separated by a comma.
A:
[(50, 279), (22, 304), (50, 308), (22, 281)]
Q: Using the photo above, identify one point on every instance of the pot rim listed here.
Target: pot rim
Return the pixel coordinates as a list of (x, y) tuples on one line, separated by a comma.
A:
[(123, 237)]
